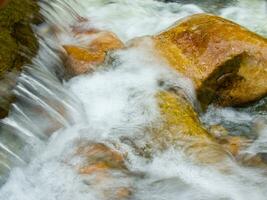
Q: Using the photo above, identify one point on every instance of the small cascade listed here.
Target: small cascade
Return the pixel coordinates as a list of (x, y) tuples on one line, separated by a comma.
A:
[(42, 106), (115, 106)]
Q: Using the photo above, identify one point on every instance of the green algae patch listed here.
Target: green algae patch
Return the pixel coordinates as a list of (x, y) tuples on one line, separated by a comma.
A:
[(17, 42), (8, 50), (17, 11)]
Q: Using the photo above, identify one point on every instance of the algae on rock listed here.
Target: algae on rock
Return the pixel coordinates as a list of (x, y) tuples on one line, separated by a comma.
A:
[(182, 129), (16, 38)]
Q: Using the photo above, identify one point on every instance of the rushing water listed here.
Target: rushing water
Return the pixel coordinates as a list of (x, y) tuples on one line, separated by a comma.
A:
[(117, 101)]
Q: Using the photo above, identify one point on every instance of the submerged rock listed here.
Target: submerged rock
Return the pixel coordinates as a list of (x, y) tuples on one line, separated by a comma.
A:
[(107, 169), (16, 39), (182, 129), (220, 57), (83, 59), (100, 157), (226, 62)]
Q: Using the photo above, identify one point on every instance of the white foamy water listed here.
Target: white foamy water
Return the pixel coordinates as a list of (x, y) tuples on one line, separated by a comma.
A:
[(40, 136)]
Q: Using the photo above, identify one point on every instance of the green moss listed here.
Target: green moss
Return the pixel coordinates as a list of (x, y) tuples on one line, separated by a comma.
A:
[(15, 33), (26, 41), (16, 39), (8, 50), (16, 11)]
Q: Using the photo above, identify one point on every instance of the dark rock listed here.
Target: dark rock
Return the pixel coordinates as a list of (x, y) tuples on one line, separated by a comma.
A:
[(16, 40)]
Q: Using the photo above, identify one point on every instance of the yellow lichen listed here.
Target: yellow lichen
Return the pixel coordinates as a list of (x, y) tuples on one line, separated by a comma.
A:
[(182, 129), (178, 114)]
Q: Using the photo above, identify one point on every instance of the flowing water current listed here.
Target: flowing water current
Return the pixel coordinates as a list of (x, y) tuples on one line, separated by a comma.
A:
[(117, 101)]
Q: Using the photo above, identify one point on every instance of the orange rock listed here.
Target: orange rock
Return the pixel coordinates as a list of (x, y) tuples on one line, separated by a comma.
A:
[(123, 193), (93, 168), (83, 59), (234, 144), (83, 54), (105, 41), (227, 63), (256, 161), (101, 161), (80, 60), (78, 31), (99, 157)]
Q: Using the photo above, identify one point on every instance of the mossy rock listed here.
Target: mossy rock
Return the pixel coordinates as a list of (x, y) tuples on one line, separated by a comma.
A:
[(17, 11), (17, 39), (8, 51)]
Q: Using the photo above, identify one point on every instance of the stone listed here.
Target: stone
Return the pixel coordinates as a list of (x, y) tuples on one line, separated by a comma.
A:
[(234, 144), (86, 58), (254, 161), (226, 62), (101, 157), (182, 129), (16, 38), (100, 161), (81, 60)]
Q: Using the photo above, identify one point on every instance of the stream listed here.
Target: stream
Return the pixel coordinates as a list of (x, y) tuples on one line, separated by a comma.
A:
[(52, 115)]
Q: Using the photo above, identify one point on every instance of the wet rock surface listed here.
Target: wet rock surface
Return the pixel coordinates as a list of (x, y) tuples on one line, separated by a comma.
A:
[(85, 58), (137, 106), (18, 43), (226, 62), (105, 164), (182, 129), (180, 125)]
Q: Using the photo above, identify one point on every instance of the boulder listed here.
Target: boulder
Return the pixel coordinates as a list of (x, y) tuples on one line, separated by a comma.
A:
[(181, 128), (226, 62), (84, 59)]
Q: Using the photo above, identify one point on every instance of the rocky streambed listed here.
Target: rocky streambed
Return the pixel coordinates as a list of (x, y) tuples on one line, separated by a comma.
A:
[(139, 100)]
